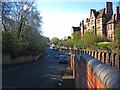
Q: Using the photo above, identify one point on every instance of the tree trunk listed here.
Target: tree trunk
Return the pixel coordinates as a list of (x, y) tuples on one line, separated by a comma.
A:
[(20, 27), (2, 20), (4, 25)]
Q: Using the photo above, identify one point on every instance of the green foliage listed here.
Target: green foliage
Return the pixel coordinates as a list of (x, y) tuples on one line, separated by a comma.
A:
[(71, 43), (54, 40), (89, 40), (81, 44), (66, 43), (29, 43), (8, 43), (76, 37), (113, 45), (103, 45)]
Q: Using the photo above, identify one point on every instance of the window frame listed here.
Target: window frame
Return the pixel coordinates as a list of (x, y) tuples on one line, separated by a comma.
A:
[(99, 29)]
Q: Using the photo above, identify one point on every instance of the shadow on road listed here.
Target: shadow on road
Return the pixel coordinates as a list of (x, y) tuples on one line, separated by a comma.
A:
[(67, 78)]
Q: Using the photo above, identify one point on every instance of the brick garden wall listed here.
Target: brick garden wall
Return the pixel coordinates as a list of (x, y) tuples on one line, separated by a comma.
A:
[(89, 72)]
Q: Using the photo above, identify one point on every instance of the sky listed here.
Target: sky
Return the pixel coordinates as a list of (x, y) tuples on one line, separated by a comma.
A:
[(59, 17)]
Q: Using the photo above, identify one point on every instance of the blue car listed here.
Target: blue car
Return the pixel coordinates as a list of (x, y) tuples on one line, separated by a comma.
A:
[(63, 59)]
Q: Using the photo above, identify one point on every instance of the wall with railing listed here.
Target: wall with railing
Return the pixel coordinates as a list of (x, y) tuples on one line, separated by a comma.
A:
[(89, 72), (108, 57), (111, 58)]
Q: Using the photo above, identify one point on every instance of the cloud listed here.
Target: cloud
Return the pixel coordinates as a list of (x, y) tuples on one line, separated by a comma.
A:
[(60, 24)]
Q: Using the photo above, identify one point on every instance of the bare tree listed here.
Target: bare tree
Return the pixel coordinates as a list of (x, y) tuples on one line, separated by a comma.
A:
[(17, 15)]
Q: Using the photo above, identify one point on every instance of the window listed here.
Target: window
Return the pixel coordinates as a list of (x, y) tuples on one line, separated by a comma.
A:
[(92, 22), (111, 36), (98, 21), (111, 27), (93, 28), (108, 27), (99, 29)]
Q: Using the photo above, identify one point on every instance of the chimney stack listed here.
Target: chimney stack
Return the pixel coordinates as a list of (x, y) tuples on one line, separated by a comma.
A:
[(83, 22), (119, 5), (94, 10), (82, 29), (108, 10), (117, 14), (86, 20), (80, 24)]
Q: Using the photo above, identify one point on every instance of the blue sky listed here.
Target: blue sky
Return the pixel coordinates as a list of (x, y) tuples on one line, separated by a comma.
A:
[(72, 7), (59, 17)]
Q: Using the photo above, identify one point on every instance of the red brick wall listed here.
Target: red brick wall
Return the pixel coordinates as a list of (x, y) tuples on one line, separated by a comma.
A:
[(84, 78)]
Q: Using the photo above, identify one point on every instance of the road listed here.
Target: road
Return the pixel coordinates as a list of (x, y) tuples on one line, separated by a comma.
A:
[(44, 73)]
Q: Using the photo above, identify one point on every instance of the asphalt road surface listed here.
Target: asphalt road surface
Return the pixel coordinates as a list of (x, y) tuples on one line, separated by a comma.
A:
[(44, 73)]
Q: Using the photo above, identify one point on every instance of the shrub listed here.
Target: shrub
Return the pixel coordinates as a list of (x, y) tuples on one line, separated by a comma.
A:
[(28, 43), (103, 45)]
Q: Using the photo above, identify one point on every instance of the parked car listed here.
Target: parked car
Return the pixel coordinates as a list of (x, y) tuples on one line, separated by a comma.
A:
[(63, 59), (54, 48)]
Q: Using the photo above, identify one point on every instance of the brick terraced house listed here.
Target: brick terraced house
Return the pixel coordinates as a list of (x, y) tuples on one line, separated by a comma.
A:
[(101, 22)]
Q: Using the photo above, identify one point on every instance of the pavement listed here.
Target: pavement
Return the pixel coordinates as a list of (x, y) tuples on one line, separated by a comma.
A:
[(67, 78)]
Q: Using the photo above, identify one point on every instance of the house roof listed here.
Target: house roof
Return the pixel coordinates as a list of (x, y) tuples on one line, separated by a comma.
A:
[(76, 29), (94, 12), (112, 19), (100, 13)]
